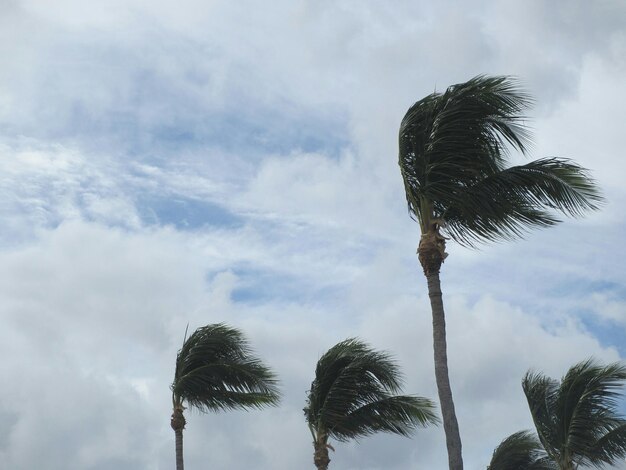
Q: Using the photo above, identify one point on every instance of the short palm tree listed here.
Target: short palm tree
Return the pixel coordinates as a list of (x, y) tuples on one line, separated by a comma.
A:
[(353, 395), (521, 451), (577, 419), (216, 370), (452, 155)]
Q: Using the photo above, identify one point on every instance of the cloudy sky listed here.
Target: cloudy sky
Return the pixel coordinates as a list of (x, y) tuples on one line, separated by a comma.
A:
[(165, 163)]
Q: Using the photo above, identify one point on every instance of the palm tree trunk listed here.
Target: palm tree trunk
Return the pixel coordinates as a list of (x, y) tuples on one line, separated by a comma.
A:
[(178, 424), (450, 424), (180, 465), (320, 457), (567, 463)]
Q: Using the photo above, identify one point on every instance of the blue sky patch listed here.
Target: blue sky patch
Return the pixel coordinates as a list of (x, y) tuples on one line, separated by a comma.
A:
[(260, 286), (185, 214)]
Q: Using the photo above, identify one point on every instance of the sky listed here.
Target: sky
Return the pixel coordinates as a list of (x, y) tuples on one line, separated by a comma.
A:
[(193, 162)]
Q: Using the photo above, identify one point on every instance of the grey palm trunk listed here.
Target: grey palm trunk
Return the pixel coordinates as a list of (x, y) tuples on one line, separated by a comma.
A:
[(178, 424), (320, 456), (431, 254)]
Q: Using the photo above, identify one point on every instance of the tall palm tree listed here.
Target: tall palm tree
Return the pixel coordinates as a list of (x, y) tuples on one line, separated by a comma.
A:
[(353, 395), (452, 155), (577, 420), (216, 370), (520, 451)]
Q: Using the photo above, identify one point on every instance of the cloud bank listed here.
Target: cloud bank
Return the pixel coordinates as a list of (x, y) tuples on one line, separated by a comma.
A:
[(164, 165)]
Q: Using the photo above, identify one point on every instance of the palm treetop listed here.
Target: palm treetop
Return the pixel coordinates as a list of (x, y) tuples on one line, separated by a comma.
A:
[(521, 451), (453, 149), (578, 419), (217, 370), (353, 395)]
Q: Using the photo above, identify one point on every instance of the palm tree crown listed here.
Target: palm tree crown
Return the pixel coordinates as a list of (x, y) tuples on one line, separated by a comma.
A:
[(520, 451), (577, 420), (453, 149), (216, 370), (353, 395)]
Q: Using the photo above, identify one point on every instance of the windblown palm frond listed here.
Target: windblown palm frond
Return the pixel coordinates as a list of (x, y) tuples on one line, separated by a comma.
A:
[(396, 414), (578, 420), (216, 370), (352, 395), (453, 149), (521, 451), (506, 204)]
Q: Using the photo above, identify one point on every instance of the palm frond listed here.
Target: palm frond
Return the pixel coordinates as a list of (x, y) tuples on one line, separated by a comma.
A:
[(541, 393), (467, 126), (216, 370), (520, 451), (609, 448), (352, 394), (506, 204), (394, 414)]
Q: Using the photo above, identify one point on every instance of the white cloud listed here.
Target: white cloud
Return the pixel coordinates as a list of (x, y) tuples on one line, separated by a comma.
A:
[(607, 307)]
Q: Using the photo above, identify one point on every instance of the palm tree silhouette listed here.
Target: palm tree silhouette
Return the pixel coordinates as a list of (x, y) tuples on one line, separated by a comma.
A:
[(216, 370), (452, 156), (353, 395)]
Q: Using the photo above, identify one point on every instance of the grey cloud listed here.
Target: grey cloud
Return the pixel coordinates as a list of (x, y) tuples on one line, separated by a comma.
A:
[(546, 43)]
